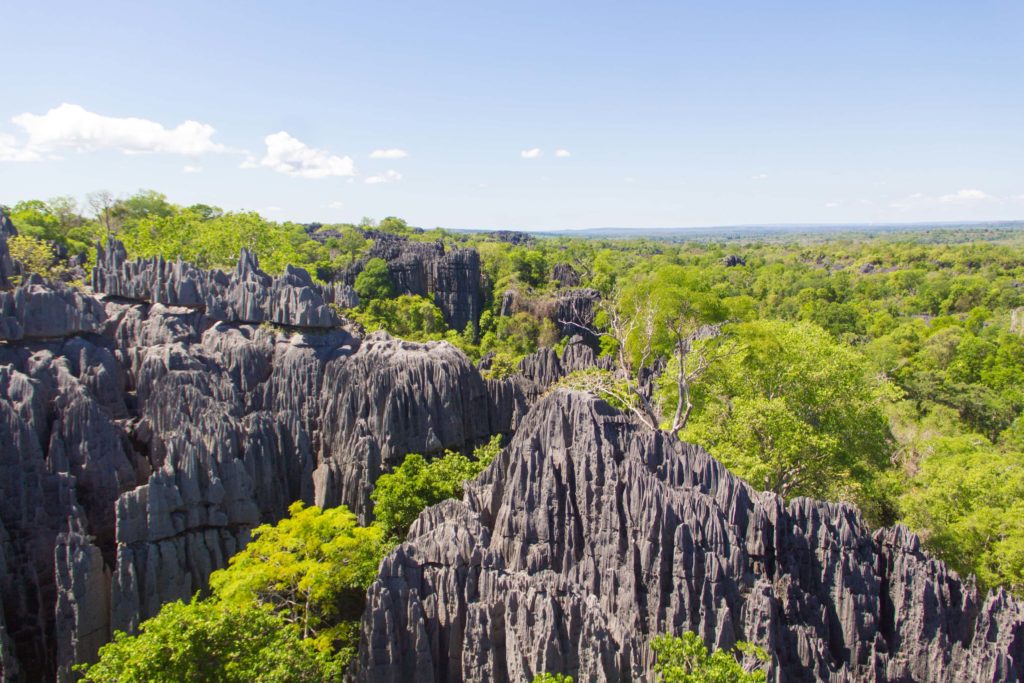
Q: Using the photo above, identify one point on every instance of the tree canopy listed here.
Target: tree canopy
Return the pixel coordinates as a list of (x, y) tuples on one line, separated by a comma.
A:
[(286, 608), (417, 483), (796, 412), (686, 659)]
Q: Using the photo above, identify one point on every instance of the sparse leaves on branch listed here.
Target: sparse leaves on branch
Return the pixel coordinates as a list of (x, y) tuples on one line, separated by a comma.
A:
[(667, 319)]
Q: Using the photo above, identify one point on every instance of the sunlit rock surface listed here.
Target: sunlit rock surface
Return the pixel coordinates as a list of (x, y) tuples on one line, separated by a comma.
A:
[(589, 535), (149, 427)]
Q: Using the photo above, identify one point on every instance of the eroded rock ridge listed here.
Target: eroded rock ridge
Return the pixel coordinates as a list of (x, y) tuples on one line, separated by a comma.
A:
[(148, 426), (590, 534)]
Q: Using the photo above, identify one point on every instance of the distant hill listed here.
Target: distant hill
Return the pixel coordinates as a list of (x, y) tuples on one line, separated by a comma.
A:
[(748, 231)]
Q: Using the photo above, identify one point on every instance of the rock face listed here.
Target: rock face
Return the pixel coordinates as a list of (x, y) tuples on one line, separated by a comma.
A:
[(565, 275), (8, 268), (149, 429), (389, 399), (450, 277), (38, 310), (589, 534), (249, 295), (571, 310)]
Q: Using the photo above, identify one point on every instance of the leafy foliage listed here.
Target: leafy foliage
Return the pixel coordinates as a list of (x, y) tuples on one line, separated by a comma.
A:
[(552, 678), (686, 660), (57, 221), (407, 316), (417, 483), (34, 255), (214, 240), (374, 282), (967, 500), (206, 640), (796, 412), (285, 609), (312, 568)]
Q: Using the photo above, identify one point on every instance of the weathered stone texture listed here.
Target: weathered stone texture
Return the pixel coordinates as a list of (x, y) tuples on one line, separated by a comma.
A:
[(589, 535), (148, 429)]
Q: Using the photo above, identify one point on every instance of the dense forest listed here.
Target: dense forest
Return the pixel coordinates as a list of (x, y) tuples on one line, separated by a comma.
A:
[(882, 370)]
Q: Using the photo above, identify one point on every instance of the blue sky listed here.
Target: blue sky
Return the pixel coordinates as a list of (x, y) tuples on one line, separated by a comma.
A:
[(668, 114)]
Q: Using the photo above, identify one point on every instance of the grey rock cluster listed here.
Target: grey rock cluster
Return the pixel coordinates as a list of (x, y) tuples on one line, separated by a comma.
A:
[(248, 295), (589, 535), (41, 310), (8, 268), (545, 367), (572, 310), (565, 275), (450, 277), (149, 428)]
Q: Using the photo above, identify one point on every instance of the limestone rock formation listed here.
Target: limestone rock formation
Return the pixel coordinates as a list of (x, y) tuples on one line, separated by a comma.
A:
[(248, 295), (450, 277), (565, 275), (590, 534), (39, 310), (389, 399), (8, 268), (150, 427), (572, 310)]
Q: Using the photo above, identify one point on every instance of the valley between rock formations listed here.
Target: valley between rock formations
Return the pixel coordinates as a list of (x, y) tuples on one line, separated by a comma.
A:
[(150, 425)]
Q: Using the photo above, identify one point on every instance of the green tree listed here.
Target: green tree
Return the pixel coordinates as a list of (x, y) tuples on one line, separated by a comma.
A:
[(667, 317), (686, 660), (552, 678), (144, 204), (286, 608), (212, 642), (797, 413), (352, 242), (56, 221), (967, 502), (311, 568), (210, 239), (417, 483), (374, 282), (407, 316), (34, 255), (393, 225)]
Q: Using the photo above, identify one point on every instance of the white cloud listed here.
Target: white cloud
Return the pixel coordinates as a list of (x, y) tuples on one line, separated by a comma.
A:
[(759, 176), (192, 169), (562, 153), (967, 195), (385, 177), (629, 180), (10, 150), (831, 205), (388, 154), (336, 205), (271, 209), (72, 126), (530, 153), (287, 155)]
